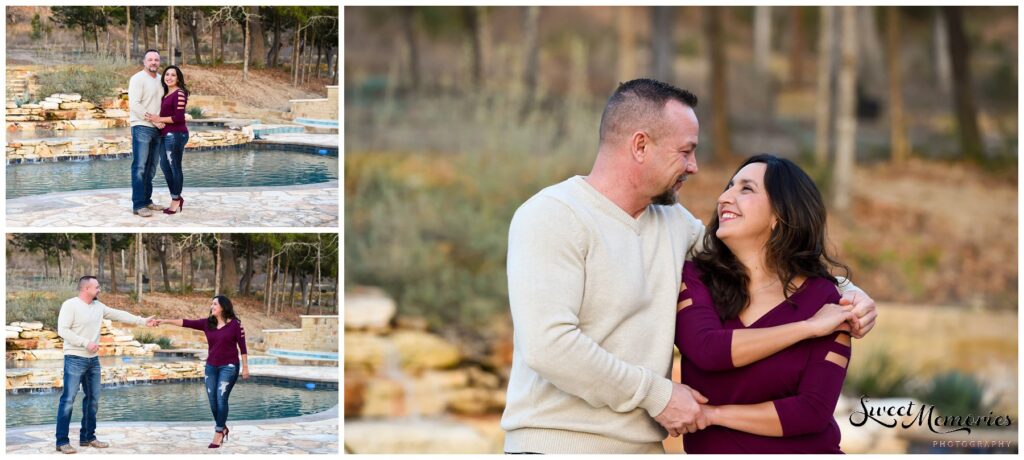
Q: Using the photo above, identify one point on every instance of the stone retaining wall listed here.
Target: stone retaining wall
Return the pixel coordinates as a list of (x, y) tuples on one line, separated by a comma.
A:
[(29, 341), (321, 109), (30, 151), (318, 333), (39, 379)]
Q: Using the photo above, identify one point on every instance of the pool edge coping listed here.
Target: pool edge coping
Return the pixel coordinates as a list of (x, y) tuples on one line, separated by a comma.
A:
[(20, 432), (30, 199)]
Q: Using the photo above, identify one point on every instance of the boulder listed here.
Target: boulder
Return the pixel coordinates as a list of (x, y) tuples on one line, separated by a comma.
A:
[(370, 310), (38, 335), (12, 334), (29, 325), (421, 350), (48, 105)]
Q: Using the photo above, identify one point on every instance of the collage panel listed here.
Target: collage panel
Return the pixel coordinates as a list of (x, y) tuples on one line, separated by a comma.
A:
[(767, 229), (151, 343), (117, 116)]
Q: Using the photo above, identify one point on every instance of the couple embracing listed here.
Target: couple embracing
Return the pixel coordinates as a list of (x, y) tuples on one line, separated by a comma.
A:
[(156, 111), (608, 272), (79, 324)]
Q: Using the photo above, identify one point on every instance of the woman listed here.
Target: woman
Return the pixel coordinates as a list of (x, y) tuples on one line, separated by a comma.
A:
[(760, 335), (225, 338), (174, 132)]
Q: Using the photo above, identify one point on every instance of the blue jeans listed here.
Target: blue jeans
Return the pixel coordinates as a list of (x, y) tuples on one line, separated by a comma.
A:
[(219, 382), (170, 162), (145, 148), (84, 372)]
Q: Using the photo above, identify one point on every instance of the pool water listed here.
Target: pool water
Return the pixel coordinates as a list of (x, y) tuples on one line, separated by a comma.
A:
[(38, 134), (174, 402), (237, 167)]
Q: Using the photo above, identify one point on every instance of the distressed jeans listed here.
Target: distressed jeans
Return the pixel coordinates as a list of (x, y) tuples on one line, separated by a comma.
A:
[(84, 372), (170, 162), (219, 382)]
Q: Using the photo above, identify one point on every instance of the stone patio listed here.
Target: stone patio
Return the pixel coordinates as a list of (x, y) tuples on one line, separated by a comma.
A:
[(312, 205), (309, 434)]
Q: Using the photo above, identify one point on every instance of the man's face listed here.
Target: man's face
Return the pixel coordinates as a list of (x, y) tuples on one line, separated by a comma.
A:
[(151, 62), (92, 289), (673, 155)]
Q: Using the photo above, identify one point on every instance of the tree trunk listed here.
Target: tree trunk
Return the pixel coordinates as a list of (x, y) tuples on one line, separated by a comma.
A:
[(247, 277), (871, 73), (823, 97), (531, 53), (128, 44), (626, 31), (963, 95), (295, 52), (291, 293), (275, 47), (229, 267), (897, 122), (762, 54), (113, 265), (161, 252), (846, 126), (193, 26), (268, 283), (471, 20), (138, 268), (796, 47), (217, 280), (220, 34), (662, 19), (170, 33), (246, 45), (943, 69), (92, 256), (408, 19), (181, 254), (257, 39), (719, 87)]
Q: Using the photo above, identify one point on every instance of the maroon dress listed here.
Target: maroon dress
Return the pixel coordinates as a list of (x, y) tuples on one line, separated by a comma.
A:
[(799, 380)]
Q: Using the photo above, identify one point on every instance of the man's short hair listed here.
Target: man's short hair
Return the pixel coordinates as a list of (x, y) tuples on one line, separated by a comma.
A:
[(151, 50), (638, 104), (84, 280)]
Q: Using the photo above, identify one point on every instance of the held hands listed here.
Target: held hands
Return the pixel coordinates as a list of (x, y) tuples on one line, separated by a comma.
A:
[(831, 318), (150, 322), (863, 307), (683, 413)]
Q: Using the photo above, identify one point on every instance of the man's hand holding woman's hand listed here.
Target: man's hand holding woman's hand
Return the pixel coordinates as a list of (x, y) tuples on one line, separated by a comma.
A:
[(683, 413)]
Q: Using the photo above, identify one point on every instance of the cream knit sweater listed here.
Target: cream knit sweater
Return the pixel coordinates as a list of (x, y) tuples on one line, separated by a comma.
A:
[(593, 297)]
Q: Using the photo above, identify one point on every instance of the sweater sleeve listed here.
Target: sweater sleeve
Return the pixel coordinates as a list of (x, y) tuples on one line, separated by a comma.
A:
[(700, 334), (240, 338), (178, 116), (122, 316), (197, 324), (546, 275), (810, 410)]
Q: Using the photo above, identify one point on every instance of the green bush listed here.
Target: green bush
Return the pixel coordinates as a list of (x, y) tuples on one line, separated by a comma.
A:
[(145, 337), (196, 112), (432, 228), (956, 393), (93, 83), (880, 378), (36, 306)]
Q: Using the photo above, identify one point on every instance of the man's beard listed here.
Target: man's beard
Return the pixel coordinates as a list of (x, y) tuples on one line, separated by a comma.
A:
[(671, 196)]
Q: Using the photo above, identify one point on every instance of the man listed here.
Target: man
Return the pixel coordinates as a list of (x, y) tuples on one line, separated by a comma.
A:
[(79, 324), (594, 267), (144, 95)]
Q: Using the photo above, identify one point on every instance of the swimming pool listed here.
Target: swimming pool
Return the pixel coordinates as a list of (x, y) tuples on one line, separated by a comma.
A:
[(234, 167), (177, 402), (37, 134)]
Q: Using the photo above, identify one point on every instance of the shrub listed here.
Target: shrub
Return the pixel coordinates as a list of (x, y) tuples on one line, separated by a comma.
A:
[(956, 393), (164, 342), (880, 378), (36, 306), (93, 83), (196, 112)]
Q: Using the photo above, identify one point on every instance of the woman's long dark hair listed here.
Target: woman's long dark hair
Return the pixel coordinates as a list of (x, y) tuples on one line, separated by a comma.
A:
[(181, 80), (225, 307), (796, 246)]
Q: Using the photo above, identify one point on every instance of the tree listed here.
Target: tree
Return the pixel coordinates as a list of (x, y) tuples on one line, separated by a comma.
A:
[(719, 77), (897, 123), (762, 54), (89, 19), (408, 20), (823, 98), (797, 44), (963, 96), (846, 125), (626, 31), (531, 54), (257, 38), (139, 263), (662, 18)]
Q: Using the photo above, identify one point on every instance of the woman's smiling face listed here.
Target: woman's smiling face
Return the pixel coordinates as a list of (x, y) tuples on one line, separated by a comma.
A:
[(744, 210)]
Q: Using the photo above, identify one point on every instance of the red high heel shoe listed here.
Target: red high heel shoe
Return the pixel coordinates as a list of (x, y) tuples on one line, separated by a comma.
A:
[(181, 206), (223, 437), (226, 431)]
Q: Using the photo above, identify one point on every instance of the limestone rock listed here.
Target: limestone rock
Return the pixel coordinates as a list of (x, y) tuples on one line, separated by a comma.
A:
[(372, 310), (38, 335), (421, 350), (413, 437)]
